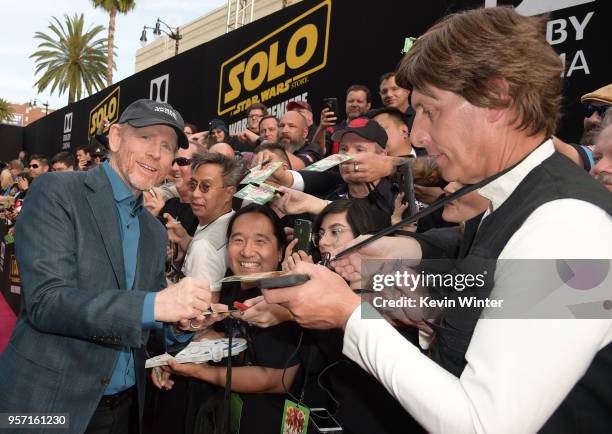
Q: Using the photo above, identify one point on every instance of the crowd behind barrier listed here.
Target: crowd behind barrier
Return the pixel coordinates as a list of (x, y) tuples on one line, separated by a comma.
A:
[(126, 245)]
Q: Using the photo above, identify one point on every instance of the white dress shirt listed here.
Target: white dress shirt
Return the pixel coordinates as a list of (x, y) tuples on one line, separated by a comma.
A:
[(206, 257), (518, 370)]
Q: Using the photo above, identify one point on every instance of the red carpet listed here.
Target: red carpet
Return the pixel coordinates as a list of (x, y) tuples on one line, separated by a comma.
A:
[(7, 323)]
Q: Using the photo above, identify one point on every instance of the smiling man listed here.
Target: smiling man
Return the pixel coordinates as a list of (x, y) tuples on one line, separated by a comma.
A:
[(486, 87), (92, 270), (213, 183)]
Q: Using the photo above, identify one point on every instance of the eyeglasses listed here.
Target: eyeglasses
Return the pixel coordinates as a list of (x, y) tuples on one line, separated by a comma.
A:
[(590, 109), (335, 234), (181, 161), (33, 166), (204, 188)]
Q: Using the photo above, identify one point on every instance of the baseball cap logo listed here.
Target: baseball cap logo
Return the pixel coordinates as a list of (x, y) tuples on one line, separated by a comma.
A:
[(358, 123), (167, 111)]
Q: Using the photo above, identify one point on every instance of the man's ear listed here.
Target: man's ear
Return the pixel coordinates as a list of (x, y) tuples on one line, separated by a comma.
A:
[(404, 131), (231, 191), (500, 88), (114, 137)]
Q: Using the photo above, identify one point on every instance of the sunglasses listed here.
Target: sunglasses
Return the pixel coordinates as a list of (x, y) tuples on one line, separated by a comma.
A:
[(33, 166), (181, 161), (204, 188), (590, 109)]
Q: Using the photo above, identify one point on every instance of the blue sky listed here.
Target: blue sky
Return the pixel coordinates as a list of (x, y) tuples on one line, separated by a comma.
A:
[(20, 20)]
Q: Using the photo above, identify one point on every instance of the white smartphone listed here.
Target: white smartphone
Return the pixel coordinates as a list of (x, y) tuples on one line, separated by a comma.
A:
[(323, 421)]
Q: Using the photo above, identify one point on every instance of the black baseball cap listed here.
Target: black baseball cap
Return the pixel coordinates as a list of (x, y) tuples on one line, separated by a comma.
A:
[(146, 112), (367, 128)]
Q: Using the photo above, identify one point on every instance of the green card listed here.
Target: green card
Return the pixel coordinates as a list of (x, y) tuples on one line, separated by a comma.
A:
[(408, 42), (295, 418), (235, 412)]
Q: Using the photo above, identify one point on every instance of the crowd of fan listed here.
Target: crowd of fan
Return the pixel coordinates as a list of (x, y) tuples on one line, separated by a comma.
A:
[(212, 234)]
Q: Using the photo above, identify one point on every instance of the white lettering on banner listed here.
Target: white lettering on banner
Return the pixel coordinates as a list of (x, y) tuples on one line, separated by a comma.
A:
[(67, 122), (557, 32), (277, 110), (67, 131), (558, 27), (537, 7), (574, 65), (158, 89)]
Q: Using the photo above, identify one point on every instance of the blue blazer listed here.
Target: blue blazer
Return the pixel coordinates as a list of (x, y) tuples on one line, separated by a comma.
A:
[(76, 312)]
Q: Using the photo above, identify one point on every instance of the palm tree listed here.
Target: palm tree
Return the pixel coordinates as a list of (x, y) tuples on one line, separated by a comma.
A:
[(112, 7), (71, 58), (6, 113)]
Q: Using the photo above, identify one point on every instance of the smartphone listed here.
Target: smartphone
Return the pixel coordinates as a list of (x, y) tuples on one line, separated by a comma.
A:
[(405, 183), (331, 104), (302, 230), (323, 421), (282, 281)]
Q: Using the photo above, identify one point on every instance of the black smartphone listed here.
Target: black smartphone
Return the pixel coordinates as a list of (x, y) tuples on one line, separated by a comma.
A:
[(331, 104), (405, 183), (282, 281), (323, 421), (302, 230)]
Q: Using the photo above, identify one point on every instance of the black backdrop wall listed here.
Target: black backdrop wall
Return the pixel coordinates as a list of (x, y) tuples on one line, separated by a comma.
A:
[(316, 49), (11, 141)]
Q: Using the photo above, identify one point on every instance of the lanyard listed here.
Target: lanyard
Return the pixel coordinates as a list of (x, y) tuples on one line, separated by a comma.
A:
[(429, 210)]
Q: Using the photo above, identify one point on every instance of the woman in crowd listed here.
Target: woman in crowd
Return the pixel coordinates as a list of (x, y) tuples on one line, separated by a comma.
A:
[(269, 365), (339, 222), (365, 406)]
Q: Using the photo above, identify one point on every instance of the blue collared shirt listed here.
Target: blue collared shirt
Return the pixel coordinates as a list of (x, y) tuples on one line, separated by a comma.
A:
[(128, 210)]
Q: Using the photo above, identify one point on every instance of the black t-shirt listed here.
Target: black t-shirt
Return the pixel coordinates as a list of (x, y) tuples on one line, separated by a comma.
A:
[(182, 212), (365, 406), (271, 347)]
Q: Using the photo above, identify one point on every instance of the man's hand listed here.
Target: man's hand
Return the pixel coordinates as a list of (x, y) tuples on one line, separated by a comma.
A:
[(292, 259), (350, 266), (248, 136), (293, 202), (427, 194), (370, 167), (324, 302), (153, 201), (263, 314), (161, 379), (177, 233), (200, 139), (187, 299), (328, 118), (193, 325)]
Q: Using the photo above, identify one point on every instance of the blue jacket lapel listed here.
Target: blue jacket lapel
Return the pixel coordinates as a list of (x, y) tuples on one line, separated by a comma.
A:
[(104, 209)]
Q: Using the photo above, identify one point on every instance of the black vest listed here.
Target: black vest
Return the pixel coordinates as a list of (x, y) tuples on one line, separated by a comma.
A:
[(588, 407)]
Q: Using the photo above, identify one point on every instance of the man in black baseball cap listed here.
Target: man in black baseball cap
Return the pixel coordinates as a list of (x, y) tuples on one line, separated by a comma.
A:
[(146, 112), (366, 129), (93, 281)]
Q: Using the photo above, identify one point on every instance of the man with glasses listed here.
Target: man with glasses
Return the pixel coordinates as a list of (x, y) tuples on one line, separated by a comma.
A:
[(213, 183), (249, 138), (39, 164), (596, 104)]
